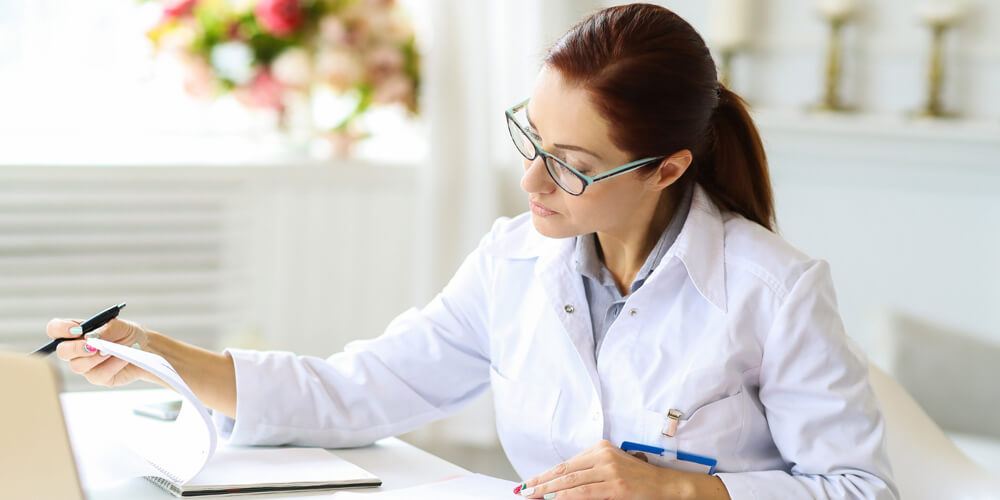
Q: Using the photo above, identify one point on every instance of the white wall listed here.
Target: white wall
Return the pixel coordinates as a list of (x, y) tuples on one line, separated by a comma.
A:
[(885, 58)]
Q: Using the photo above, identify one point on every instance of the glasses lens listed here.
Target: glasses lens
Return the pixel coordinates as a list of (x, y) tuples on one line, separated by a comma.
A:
[(521, 141), (564, 176)]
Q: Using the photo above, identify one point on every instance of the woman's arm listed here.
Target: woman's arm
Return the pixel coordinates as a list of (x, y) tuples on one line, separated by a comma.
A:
[(821, 411), (209, 374)]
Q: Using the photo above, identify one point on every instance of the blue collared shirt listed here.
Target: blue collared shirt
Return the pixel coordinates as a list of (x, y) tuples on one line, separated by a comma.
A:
[(604, 300)]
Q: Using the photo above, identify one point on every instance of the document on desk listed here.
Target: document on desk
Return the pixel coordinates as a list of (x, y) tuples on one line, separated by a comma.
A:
[(477, 486), (190, 462)]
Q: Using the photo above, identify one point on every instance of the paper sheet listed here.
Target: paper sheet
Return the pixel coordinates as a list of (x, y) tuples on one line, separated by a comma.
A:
[(476, 486), (182, 447)]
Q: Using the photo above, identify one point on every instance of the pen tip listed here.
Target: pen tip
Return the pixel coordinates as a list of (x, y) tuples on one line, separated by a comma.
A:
[(121, 306)]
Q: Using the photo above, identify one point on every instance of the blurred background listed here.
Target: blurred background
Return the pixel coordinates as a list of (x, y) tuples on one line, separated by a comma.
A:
[(245, 178)]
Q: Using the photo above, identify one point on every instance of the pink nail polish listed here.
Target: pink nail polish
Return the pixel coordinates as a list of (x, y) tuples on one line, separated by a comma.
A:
[(87, 348)]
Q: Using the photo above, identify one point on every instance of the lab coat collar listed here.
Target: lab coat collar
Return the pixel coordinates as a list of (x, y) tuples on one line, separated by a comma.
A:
[(700, 246)]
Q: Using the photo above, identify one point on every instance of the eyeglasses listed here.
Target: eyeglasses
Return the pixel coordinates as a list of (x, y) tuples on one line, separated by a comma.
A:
[(565, 176)]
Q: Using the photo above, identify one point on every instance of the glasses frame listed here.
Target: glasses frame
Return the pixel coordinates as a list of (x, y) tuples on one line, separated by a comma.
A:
[(587, 180)]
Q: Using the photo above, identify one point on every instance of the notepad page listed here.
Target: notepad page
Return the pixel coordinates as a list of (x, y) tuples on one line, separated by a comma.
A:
[(233, 466), (476, 486), (179, 449)]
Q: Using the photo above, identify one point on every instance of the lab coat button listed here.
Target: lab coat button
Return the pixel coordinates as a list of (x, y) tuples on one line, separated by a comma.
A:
[(569, 308), (633, 312)]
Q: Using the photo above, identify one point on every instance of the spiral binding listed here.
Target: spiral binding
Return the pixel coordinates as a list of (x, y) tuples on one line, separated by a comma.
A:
[(170, 483)]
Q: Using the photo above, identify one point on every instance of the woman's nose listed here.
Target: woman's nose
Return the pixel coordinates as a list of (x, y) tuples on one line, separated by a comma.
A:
[(536, 179)]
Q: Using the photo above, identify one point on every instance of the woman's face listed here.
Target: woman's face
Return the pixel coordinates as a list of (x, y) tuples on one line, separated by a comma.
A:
[(566, 124)]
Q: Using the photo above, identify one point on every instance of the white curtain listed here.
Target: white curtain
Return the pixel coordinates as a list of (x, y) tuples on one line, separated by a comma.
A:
[(483, 59)]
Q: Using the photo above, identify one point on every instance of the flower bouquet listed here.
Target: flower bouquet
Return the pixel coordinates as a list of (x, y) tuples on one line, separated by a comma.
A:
[(269, 53)]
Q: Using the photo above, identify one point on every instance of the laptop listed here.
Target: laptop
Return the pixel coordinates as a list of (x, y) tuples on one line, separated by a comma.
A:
[(36, 459)]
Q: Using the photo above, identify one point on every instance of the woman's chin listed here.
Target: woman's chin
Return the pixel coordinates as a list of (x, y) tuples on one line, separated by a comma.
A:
[(550, 228)]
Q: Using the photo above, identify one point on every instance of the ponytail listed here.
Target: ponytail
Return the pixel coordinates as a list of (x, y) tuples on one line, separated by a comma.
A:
[(734, 170)]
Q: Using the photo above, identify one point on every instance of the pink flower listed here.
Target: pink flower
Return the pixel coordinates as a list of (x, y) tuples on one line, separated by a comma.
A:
[(198, 79), (396, 88), (383, 62), (332, 30), (262, 92), (279, 17), (178, 8)]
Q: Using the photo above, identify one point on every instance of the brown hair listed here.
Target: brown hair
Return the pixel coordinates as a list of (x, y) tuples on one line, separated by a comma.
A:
[(652, 77)]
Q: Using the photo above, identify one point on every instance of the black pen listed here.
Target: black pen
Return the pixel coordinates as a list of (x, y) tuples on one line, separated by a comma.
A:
[(98, 320)]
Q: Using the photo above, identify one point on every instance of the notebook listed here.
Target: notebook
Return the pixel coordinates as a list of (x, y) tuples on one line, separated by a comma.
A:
[(187, 459)]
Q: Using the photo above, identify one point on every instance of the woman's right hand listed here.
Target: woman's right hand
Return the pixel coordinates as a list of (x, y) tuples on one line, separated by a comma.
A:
[(100, 369)]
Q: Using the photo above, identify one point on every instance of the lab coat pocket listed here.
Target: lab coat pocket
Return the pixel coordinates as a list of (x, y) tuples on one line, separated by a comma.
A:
[(712, 429), (525, 410)]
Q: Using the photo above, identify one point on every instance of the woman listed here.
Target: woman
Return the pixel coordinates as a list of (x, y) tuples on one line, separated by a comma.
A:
[(644, 298)]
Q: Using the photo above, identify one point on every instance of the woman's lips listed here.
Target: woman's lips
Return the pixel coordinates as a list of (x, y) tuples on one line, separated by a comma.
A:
[(540, 210)]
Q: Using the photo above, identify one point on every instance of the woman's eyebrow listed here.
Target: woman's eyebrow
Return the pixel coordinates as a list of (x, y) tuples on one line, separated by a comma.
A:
[(563, 146)]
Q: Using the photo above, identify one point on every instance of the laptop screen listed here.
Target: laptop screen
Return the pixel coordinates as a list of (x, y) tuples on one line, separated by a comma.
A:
[(36, 459)]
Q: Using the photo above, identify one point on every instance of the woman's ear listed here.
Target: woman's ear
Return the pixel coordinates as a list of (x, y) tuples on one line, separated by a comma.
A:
[(671, 169)]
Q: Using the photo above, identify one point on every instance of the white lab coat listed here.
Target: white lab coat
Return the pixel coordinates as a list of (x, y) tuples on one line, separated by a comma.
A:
[(734, 328)]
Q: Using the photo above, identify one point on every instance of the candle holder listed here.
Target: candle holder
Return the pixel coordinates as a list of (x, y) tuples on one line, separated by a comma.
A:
[(729, 32), (939, 23), (831, 90)]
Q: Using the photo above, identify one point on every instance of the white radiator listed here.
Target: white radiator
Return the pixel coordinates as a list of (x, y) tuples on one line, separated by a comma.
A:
[(73, 242), (301, 258)]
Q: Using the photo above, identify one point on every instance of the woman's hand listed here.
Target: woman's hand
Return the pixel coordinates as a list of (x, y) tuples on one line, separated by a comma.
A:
[(604, 471), (100, 369)]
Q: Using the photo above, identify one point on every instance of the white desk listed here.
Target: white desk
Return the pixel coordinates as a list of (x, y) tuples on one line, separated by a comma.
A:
[(108, 469)]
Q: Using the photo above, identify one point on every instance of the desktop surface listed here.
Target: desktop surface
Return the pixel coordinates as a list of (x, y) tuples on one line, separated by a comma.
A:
[(98, 421)]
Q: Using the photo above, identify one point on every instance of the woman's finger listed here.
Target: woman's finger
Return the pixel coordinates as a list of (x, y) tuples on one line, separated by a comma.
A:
[(104, 373), (83, 365), (571, 480), (72, 349), (60, 328), (588, 491), (583, 460), (115, 330)]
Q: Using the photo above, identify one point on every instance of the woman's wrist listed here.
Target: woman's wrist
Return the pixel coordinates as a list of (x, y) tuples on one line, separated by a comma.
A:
[(153, 343), (707, 486), (211, 375), (692, 485)]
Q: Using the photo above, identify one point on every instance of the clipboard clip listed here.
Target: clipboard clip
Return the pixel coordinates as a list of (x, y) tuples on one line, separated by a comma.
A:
[(670, 424)]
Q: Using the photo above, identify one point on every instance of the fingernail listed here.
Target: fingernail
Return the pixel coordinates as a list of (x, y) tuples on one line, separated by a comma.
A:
[(87, 348), (518, 489), (527, 491), (76, 330), (549, 496), (93, 335)]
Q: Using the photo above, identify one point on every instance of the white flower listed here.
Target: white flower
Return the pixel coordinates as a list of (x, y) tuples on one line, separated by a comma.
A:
[(292, 67), (241, 6), (233, 61)]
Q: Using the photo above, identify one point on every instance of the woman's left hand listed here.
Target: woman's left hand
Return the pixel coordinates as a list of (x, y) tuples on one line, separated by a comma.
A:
[(604, 471)]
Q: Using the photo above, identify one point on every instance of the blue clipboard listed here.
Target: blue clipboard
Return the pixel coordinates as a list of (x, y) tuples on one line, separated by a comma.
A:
[(673, 459)]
